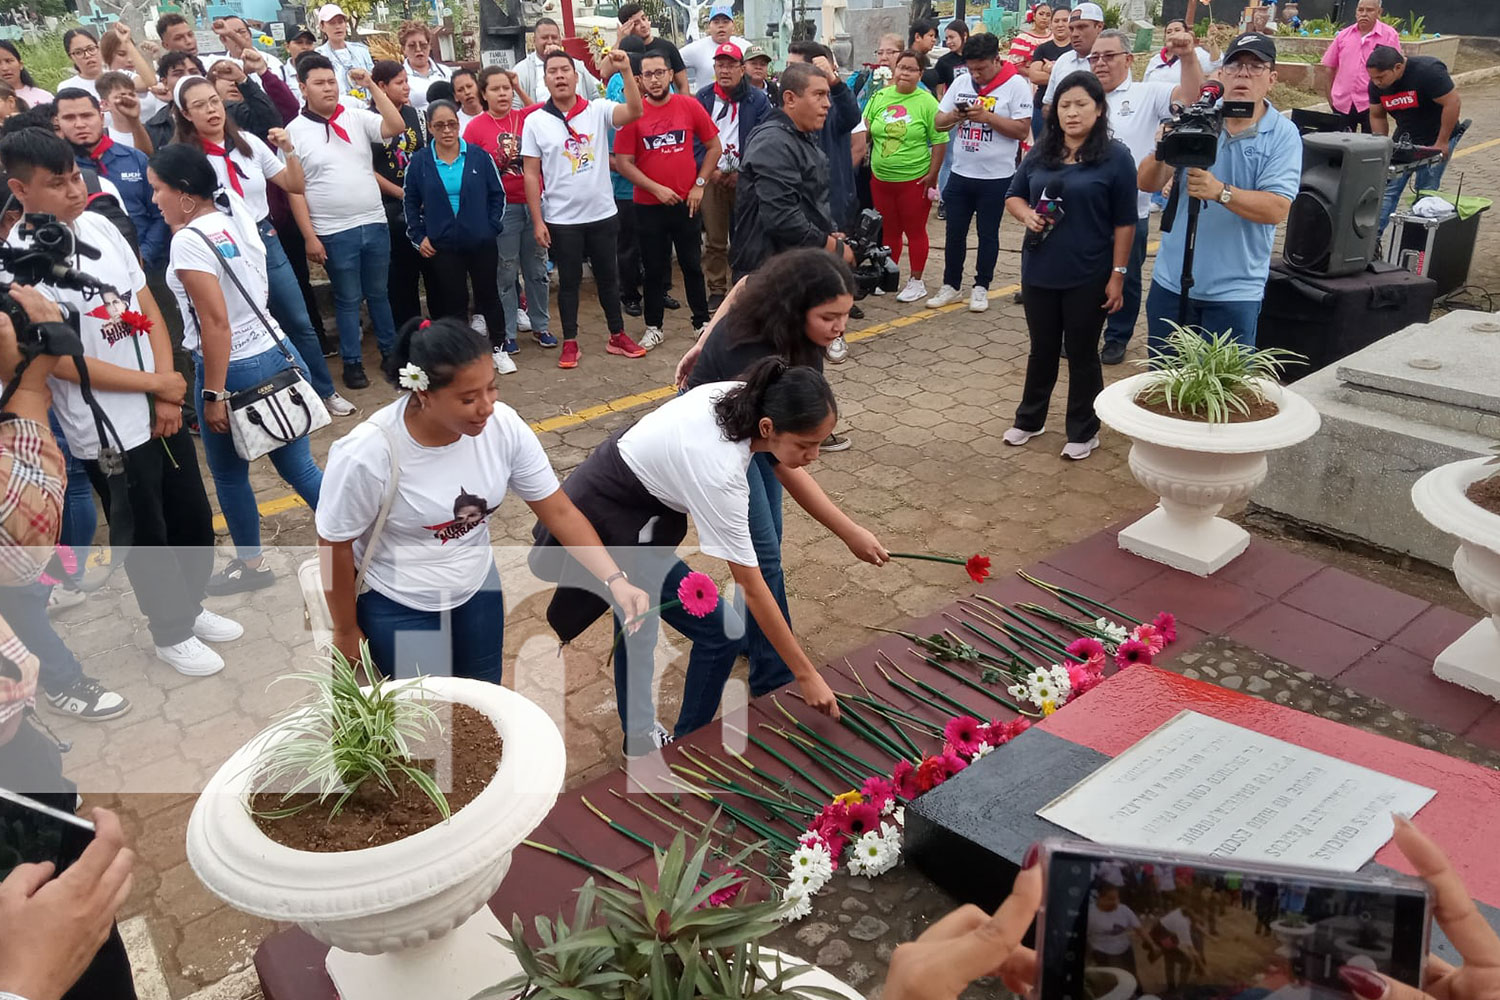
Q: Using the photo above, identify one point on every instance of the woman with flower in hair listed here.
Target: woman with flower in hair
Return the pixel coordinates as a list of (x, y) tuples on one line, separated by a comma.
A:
[(452, 451), (233, 342), (692, 457)]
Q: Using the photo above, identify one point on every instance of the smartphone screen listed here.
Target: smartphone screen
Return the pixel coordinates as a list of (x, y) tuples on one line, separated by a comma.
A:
[(31, 833), (1121, 926)]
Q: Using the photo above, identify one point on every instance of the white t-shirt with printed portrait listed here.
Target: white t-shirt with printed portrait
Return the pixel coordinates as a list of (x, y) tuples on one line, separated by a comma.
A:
[(1109, 931), (236, 247), (576, 188), (341, 189), (104, 338), (259, 166), (975, 149), (435, 551), (680, 454)]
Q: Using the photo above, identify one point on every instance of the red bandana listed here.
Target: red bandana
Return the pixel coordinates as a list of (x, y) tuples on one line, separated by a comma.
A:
[(331, 122), (97, 154), (230, 167), (1007, 70), (721, 94), (1167, 58)]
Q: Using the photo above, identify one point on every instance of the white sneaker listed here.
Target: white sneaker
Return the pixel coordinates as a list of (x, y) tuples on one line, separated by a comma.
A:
[(945, 295), (338, 406), (877, 290), (191, 658), (979, 299), (1017, 437), (913, 291), (503, 363), (838, 351), (216, 628), (1079, 450), (652, 338), (523, 321), (477, 322)]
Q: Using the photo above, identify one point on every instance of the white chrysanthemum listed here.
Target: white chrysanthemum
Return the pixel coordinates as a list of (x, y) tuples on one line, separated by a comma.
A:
[(1041, 675), (889, 807), (981, 749), (899, 816), (811, 866), (796, 908), (412, 377), (1017, 691), (1117, 633), (1059, 676), (875, 853)]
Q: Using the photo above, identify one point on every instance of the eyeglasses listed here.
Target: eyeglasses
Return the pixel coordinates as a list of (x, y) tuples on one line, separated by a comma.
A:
[(1099, 57), (204, 105), (85, 50), (655, 74), (1246, 67), (444, 125)]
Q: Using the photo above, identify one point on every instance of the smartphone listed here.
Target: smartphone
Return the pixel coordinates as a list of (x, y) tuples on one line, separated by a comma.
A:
[(31, 833), (1120, 924), (963, 106)]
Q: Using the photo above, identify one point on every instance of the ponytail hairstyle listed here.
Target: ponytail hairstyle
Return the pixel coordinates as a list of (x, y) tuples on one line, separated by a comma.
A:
[(439, 347), (184, 130), (796, 399)]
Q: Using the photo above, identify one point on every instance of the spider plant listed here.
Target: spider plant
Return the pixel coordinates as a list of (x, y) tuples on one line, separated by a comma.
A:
[(1210, 375), (344, 735)]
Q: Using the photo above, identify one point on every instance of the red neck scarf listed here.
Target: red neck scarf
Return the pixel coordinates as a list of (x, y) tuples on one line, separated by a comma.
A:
[(1007, 70), (729, 102), (97, 154), (329, 123), (567, 117), (230, 167), (1167, 58)]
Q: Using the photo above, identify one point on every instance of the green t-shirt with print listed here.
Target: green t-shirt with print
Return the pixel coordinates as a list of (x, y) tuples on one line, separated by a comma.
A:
[(903, 128)]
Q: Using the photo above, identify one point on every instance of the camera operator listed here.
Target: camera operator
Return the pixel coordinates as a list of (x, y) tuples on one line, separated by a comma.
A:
[(1247, 193), (159, 514), (1419, 96)]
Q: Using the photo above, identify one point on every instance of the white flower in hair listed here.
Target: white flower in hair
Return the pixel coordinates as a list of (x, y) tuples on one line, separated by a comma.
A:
[(412, 377)]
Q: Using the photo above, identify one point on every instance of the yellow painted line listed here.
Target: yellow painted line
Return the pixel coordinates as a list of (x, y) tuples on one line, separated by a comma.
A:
[(604, 409), (276, 505), (1474, 149)]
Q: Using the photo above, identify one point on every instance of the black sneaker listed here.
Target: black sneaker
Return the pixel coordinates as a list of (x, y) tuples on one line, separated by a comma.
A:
[(88, 700), (330, 347), (1016, 298), (631, 307), (237, 578), (834, 443), (355, 377), (670, 302), (855, 312), (942, 212), (1112, 354)]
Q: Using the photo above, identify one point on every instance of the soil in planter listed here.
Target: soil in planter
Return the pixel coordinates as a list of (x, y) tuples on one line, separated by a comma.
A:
[(1260, 409), (1486, 493), (463, 760)]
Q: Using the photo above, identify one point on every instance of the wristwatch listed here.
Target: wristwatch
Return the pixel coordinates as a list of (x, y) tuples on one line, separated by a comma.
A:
[(1122, 270), (1226, 195), (212, 396), (699, 182)]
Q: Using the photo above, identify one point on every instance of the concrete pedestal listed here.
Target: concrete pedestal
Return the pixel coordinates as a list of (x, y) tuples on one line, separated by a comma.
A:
[(454, 967), (1473, 661), (1200, 546)]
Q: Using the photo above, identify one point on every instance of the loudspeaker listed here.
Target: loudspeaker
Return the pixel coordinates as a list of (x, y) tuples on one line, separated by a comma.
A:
[(1335, 218)]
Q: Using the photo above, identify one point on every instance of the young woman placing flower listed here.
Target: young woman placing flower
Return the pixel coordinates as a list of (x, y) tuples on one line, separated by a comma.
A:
[(454, 452), (692, 457)]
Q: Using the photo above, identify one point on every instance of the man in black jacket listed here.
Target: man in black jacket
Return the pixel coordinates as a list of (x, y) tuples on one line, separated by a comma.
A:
[(782, 194)]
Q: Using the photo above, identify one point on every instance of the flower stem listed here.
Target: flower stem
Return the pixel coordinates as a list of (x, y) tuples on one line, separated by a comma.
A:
[(950, 560), (559, 853), (857, 714), (1058, 592), (828, 792), (973, 684), (623, 831)]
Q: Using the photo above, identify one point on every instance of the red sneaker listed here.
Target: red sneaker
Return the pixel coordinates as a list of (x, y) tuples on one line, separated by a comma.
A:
[(620, 343), (570, 354)]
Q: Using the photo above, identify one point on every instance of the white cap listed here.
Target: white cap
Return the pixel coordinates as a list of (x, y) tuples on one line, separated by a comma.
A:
[(329, 11), (1083, 12)]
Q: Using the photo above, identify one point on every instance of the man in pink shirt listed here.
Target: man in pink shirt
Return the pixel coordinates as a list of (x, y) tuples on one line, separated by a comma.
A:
[(1349, 85)]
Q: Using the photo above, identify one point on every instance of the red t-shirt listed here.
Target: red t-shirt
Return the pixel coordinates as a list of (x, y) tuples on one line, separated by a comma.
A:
[(501, 138), (661, 140)]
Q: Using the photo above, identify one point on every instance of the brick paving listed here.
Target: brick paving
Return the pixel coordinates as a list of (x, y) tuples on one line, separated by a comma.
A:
[(925, 401)]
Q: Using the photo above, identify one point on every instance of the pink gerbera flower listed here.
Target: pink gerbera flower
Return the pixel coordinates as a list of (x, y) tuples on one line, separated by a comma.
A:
[(952, 762), (1149, 635), (1083, 678), (904, 777), (879, 792), (730, 892), (698, 594), (1131, 652), (1166, 626), (860, 819), (1087, 649), (963, 734)]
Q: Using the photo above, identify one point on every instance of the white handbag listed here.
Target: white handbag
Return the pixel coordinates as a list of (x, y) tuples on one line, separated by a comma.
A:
[(278, 411)]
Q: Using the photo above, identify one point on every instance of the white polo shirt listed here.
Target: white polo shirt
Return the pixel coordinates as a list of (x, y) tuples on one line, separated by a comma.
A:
[(341, 188), (1135, 112), (1067, 64)]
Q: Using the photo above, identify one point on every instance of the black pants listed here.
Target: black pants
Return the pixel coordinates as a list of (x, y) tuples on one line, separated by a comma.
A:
[(571, 245), (408, 269), (662, 227), (453, 272), (1355, 121), (160, 518), (295, 246), (628, 252), (156, 281), (1063, 320)]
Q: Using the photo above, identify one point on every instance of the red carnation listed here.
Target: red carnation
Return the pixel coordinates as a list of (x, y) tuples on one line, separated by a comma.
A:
[(978, 568), (930, 773), (904, 777), (137, 322)]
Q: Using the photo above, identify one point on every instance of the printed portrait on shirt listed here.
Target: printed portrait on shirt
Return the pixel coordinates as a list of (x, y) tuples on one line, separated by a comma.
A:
[(114, 328), (469, 512), (507, 154), (579, 150)]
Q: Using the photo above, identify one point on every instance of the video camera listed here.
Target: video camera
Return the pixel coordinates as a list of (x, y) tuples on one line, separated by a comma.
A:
[(873, 267), (47, 260), (1192, 135)]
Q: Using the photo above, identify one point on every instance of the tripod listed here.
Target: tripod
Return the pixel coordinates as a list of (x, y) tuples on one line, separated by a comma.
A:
[(1189, 248)]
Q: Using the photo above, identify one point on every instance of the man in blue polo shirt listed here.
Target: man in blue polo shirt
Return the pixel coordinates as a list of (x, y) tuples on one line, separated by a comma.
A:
[(1247, 193)]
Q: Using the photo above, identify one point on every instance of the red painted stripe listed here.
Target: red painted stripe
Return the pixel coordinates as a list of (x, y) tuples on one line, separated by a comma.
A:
[(1462, 817)]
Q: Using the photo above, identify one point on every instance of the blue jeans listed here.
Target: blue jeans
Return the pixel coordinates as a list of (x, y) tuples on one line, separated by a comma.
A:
[(231, 473), (716, 640), (1216, 317), (520, 254), (1120, 325), (1422, 179), (1038, 120), (466, 641), (290, 310), (967, 198), (358, 267), (80, 518), (767, 669), (25, 611)]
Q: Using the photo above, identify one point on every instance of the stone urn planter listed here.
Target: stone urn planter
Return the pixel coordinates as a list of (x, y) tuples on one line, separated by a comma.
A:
[(1196, 468), (1291, 937), (1473, 660), (406, 919)]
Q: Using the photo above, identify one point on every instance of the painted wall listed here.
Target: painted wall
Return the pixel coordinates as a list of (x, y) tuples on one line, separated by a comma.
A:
[(1450, 17)]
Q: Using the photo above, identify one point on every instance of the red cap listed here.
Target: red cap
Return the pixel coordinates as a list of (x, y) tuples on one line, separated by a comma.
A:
[(729, 50)]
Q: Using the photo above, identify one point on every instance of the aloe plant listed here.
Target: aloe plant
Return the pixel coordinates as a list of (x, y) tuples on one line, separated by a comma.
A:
[(663, 943)]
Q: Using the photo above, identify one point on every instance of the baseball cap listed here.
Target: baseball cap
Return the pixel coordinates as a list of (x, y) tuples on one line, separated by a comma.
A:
[(1088, 12), (329, 11), (756, 52), (729, 50), (304, 34), (1253, 42), (721, 10)]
